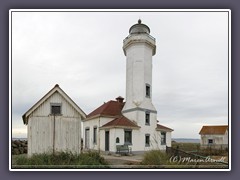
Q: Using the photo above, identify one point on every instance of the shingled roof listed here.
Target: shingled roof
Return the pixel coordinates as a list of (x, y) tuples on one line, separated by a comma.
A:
[(111, 108), (120, 122), (213, 130), (163, 128)]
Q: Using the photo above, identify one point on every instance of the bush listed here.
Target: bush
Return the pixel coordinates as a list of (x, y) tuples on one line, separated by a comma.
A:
[(155, 157), (159, 159), (61, 160)]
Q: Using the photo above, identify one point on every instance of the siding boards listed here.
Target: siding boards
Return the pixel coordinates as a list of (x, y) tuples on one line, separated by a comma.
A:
[(67, 109), (40, 135), (67, 134), (67, 128)]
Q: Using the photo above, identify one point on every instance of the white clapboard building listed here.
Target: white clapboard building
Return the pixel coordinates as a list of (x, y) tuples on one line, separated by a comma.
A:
[(215, 136), (134, 122), (54, 124)]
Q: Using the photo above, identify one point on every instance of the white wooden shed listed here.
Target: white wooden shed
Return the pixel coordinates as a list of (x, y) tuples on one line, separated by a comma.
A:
[(54, 124), (214, 136)]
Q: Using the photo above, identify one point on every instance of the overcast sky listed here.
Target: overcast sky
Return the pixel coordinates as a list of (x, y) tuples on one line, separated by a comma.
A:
[(82, 52)]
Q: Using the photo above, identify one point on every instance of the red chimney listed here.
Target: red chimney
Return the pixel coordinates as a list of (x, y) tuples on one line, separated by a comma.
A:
[(120, 99)]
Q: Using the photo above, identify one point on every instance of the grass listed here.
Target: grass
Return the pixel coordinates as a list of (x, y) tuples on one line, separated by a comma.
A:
[(60, 160), (160, 159), (189, 147), (213, 152), (151, 159), (155, 157), (195, 148)]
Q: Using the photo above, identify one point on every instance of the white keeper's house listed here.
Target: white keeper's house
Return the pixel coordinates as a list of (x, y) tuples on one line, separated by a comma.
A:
[(133, 122)]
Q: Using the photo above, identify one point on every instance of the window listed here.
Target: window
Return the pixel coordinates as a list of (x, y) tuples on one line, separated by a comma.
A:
[(147, 118), (128, 137), (56, 108), (147, 140), (163, 138), (148, 90), (87, 138), (210, 141), (117, 140), (95, 135)]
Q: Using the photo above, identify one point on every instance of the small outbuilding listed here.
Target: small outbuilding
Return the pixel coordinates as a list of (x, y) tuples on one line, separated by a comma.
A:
[(214, 137), (54, 124)]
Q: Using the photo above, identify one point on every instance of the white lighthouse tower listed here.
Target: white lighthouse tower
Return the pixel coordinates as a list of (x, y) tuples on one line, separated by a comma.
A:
[(139, 47), (132, 124)]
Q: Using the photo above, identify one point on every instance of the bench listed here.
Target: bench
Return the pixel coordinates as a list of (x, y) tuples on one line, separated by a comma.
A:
[(123, 149)]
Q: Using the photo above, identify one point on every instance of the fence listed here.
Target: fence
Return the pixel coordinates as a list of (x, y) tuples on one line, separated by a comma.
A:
[(176, 152), (215, 146)]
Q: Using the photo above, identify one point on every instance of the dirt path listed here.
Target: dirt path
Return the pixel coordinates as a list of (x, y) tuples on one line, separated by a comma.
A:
[(123, 161)]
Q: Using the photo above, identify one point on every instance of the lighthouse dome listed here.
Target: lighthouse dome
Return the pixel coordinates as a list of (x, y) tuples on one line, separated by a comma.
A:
[(139, 28)]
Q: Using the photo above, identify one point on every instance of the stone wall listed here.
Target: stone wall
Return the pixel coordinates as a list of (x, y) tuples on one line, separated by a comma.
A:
[(19, 147)]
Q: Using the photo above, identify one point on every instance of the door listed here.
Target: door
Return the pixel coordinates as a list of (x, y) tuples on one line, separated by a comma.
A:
[(106, 140), (87, 138)]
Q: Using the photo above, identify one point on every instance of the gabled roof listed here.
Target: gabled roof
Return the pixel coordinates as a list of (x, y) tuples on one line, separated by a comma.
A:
[(56, 88), (111, 108), (214, 129), (120, 122), (163, 128)]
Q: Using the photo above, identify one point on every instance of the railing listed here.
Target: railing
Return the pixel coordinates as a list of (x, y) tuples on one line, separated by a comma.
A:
[(130, 35)]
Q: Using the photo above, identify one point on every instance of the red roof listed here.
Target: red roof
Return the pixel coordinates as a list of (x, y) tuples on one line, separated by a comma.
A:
[(121, 122), (161, 127), (214, 129), (111, 108)]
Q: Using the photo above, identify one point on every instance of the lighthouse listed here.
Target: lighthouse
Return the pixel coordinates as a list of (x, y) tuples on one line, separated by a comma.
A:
[(139, 47), (131, 124)]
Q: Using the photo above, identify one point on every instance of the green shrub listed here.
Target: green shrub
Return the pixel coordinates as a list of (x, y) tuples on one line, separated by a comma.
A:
[(61, 160), (155, 157), (159, 159)]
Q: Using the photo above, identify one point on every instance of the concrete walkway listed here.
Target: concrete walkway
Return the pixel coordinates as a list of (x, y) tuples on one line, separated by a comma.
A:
[(116, 161)]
